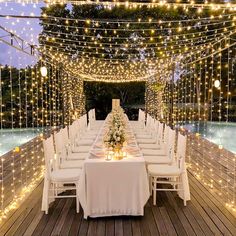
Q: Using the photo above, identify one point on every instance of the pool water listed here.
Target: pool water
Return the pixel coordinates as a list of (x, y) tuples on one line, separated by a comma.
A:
[(217, 132), (220, 133), (11, 138)]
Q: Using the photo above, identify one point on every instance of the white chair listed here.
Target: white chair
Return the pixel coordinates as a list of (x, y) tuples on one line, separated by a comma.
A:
[(159, 141), (164, 148), (140, 123), (93, 123), (169, 174), (150, 133), (64, 151), (152, 138), (56, 178), (64, 160), (162, 156), (146, 127), (75, 137)]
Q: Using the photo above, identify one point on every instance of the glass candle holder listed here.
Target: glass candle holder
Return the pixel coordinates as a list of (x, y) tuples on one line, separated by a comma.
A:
[(109, 155)]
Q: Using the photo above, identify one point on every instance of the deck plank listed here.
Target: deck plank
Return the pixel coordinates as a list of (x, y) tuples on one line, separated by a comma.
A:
[(127, 227), (203, 215), (27, 221), (217, 203), (213, 212), (136, 226), (119, 227), (67, 223), (110, 226), (58, 224), (75, 225), (92, 228), (173, 216), (101, 227)]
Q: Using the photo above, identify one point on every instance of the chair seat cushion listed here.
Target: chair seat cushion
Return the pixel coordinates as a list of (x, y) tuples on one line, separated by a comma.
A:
[(144, 136), (78, 155), (163, 170), (72, 164), (154, 152), (150, 146), (81, 149), (66, 175), (88, 136), (86, 142), (140, 131), (146, 141), (157, 160)]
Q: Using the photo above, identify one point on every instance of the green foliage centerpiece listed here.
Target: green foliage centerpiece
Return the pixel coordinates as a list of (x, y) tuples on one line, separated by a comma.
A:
[(115, 136)]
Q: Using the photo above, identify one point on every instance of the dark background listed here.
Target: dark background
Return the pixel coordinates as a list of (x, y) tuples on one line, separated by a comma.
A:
[(99, 95)]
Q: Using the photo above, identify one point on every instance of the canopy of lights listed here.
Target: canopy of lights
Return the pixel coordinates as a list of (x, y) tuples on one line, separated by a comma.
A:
[(122, 50)]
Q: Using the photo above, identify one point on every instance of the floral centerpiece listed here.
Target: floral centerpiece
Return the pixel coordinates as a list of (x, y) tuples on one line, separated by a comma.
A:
[(115, 136)]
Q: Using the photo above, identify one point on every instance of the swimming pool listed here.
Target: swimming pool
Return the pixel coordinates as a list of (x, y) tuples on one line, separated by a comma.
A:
[(11, 138), (220, 133)]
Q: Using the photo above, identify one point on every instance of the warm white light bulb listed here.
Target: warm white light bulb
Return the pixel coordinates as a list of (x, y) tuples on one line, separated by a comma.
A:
[(217, 83), (43, 71)]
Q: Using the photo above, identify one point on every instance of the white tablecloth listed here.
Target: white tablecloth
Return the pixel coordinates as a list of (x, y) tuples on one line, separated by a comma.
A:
[(114, 187), (109, 188)]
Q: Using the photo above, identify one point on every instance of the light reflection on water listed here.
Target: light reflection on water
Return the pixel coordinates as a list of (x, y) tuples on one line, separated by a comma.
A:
[(9, 139), (220, 133)]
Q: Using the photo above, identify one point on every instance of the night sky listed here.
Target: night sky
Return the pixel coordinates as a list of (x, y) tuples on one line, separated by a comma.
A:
[(28, 29)]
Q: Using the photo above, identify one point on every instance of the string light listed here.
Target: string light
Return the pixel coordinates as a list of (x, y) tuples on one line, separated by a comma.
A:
[(217, 83), (43, 71)]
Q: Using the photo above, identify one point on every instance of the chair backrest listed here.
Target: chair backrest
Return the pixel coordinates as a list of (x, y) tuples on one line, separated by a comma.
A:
[(94, 114), (166, 133), (181, 150), (160, 133), (90, 116), (154, 128), (139, 115), (65, 135), (83, 122), (72, 132), (171, 138), (49, 155), (59, 144), (148, 120), (171, 144), (141, 118)]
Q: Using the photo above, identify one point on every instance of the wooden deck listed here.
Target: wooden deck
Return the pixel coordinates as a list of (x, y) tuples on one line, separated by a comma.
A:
[(204, 215)]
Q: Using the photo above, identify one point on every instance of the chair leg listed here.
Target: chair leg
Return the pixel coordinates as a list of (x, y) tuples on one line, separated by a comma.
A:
[(150, 184), (47, 204), (154, 191), (47, 199), (185, 201), (77, 200)]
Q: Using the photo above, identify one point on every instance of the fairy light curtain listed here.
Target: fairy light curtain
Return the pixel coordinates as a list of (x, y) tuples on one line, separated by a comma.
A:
[(31, 105), (132, 48), (202, 100)]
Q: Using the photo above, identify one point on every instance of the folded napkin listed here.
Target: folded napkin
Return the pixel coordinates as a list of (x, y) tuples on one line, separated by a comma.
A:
[(96, 154)]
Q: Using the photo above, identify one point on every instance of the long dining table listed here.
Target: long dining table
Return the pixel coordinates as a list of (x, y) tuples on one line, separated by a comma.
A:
[(114, 187)]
